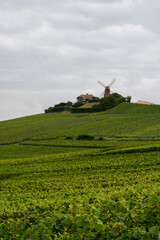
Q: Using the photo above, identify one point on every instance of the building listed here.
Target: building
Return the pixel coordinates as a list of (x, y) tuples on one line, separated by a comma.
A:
[(85, 97), (144, 102)]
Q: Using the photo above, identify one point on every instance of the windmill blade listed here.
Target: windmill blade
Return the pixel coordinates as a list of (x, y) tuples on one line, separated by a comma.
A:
[(101, 84), (102, 95), (113, 81)]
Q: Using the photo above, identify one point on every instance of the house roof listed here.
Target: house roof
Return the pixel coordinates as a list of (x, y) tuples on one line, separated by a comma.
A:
[(86, 96)]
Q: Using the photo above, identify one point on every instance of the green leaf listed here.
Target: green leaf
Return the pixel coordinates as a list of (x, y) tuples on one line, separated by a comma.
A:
[(100, 222), (122, 216), (154, 230), (136, 234)]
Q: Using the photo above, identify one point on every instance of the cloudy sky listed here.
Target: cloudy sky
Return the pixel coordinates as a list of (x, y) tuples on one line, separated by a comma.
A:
[(52, 51)]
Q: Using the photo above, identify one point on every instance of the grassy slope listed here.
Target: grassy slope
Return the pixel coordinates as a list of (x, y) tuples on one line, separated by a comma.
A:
[(127, 108), (63, 189), (83, 195), (126, 120), (89, 105)]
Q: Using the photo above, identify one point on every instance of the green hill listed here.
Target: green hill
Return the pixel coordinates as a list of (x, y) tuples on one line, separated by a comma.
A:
[(126, 120), (90, 105), (57, 188), (136, 108)]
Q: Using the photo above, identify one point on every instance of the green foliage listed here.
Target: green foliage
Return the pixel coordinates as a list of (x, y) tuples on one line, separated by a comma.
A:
[(91, 194), (60, 107), (125, 120), (96, 99), (85, 137), (111, 101), (69, 103), (90, 105), (77, 104), (105, 104), (69, 137), (62, 104), (116, 95), (135, 108), (49, 110), (57, 188), (128, 99)]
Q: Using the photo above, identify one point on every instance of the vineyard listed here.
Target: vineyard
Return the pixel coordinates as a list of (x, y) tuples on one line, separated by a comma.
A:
[(57, 188)]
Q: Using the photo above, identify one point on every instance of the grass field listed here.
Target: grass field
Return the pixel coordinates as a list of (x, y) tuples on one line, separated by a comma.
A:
[(89, 105), (126, 120), (53, 188)]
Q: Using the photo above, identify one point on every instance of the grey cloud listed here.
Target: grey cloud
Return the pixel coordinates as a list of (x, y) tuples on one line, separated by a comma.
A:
[(48, 47)]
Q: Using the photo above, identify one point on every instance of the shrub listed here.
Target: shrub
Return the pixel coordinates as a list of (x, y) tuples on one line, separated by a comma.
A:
[(62, 104), (58, 109), (85, 137), (49, 110), (69, 137), (104, 104), (128, 99), (100, 138), (86, 110), (107, 103), (69, 103), (96, 99), (77, 104)]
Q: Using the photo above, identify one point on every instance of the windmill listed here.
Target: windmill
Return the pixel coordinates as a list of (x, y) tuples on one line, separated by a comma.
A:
[(107, 90)]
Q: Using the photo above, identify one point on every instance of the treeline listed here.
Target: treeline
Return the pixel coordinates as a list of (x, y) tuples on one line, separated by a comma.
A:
[(104, 104)]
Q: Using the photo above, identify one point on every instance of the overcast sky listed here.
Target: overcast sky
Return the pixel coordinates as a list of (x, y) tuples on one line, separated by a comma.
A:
[(54, 50)]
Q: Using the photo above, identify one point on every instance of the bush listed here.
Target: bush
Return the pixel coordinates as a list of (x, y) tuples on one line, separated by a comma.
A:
[(62, 104), (100, 138), (128, 99), (104, 104), (69, 103), (85, 137), (77, 104), (111, 101), (86, 110), (96, 99), (49, 110), (58, 109), (107, 103), (69, 138)]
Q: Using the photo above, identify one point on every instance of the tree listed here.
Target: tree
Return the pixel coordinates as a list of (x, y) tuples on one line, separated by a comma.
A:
[(128, 99), (77, 104), (107, 103), (69, 104)]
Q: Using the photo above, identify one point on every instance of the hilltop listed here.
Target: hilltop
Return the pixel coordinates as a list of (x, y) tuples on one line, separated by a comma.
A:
[(125, 120), (135, 108), (90, 104)]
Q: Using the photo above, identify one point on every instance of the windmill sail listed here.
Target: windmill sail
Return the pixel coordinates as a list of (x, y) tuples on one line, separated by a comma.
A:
[(107, 88)]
